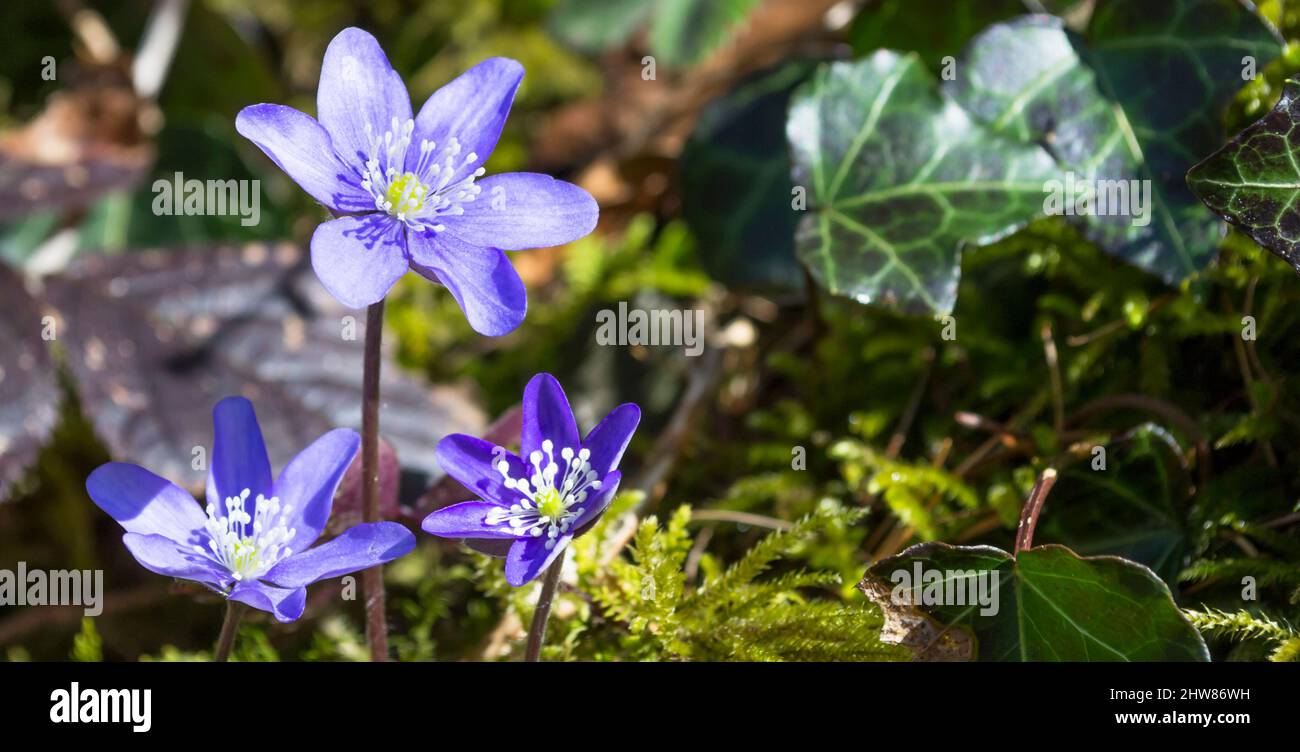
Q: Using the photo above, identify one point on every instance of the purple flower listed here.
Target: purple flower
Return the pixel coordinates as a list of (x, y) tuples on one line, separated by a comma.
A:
[(253, 543), (531, 510), (407, 191)]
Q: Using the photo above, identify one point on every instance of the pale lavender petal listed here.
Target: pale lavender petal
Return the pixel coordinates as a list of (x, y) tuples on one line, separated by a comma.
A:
[(608, 440), (307, 484), (359, 259), (144, 503), (481, 280), (301, 147), (239, 460), (473, 462), (359, 547), (519, 210), (164, 556), (358, 87), (530, 557), (286, 604), (471, 109), (547, 415), (466, 520)]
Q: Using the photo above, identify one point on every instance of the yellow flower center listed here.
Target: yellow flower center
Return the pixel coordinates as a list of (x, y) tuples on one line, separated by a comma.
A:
[(550, 503), (406, 194)]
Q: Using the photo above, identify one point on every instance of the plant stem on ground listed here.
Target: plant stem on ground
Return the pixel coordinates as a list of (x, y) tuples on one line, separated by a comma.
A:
[(229, 628), (372, 580), (537, 633)]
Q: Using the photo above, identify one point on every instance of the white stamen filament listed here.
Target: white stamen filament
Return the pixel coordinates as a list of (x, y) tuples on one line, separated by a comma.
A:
[(420, 196), (248, 544), (552, 498)]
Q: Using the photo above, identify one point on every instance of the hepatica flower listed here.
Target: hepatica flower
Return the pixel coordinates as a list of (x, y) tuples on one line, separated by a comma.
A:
[(253, 541), (410, 192), (530, 508)]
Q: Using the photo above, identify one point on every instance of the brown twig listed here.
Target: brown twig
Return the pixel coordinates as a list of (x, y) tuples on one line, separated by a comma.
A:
[(740, 518), (669, 446), (1166, 410), (1054, 373)]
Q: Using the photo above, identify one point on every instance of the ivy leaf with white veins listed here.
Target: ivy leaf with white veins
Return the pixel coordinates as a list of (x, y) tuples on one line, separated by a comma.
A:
[(1126, 108), (1254, 181), (898, 178)]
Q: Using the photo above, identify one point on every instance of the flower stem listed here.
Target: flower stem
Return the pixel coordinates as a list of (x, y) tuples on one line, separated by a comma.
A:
[(229, 627), (537, 634), (372, 580)]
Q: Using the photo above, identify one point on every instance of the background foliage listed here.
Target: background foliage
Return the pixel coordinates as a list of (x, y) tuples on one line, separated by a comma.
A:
[(815, 437)]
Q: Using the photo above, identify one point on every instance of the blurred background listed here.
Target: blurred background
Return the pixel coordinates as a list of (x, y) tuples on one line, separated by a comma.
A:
[(803, 404)]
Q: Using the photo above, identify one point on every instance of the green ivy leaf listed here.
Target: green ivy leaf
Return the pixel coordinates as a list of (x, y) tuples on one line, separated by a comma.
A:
[(1053, 605), (1254, 181), (898, 178), (1135, 507), (1133, 101)]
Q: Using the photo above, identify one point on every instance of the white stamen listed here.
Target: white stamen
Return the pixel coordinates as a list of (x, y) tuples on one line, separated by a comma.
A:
[(553, 493), (247, 550), (420, 196)]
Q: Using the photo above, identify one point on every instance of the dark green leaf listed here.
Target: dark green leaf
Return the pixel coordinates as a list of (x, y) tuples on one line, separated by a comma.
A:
[(899, 177), (910, 25), (1132, 102), (684, 31), (1053, 605), (1134, 507), (1254, 181), (736, 189), (598, 25)]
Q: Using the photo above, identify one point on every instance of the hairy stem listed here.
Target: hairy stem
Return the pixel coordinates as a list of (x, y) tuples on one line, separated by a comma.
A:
[(537, 633), (229, 627), (372, 580), (1033, 509)]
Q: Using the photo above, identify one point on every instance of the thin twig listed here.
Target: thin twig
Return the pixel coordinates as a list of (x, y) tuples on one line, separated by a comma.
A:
[(667, 450), (668, 447), (1054, 371), (1167, 410), (696, 553), (740, 518), (372, 580), (908, 417), (157, 47), (537, 633)]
